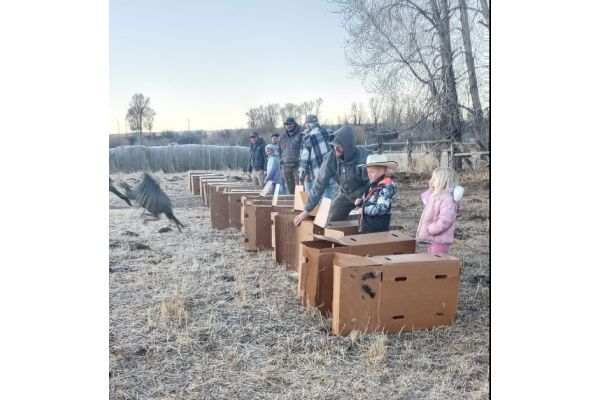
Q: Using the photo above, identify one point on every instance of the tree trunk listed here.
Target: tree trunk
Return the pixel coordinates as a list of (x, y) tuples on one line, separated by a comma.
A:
[(450, 112), (486, 12), (473, 89)]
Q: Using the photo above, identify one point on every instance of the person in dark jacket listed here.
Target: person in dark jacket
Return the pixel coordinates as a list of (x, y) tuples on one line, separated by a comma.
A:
[(376, 202), (289, 152), (257, 162), (340, 164)]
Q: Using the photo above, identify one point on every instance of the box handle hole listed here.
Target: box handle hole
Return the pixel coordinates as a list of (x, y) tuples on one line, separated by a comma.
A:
[(441, 276), (400, 278), (398, 317), (437, 314)]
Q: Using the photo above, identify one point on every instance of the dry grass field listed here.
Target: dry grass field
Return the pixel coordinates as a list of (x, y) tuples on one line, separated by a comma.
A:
[(194, 316)]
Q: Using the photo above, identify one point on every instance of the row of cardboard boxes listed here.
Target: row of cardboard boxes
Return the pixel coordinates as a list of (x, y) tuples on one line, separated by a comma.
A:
[(367, 282)]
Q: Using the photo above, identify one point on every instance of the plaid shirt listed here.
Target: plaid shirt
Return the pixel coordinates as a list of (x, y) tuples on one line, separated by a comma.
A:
[(313, 149)]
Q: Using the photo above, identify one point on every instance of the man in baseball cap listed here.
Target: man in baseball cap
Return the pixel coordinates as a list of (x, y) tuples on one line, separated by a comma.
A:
[(289, 151), (257, 163)]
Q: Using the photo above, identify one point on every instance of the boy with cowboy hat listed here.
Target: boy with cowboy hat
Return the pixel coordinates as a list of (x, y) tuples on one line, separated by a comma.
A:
[(376, 203)]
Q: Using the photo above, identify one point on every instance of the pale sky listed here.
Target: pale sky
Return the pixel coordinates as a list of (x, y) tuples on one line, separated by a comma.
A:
[(211, 61)]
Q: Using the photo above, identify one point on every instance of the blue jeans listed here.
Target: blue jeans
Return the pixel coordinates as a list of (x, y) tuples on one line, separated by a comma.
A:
[(329, 191)]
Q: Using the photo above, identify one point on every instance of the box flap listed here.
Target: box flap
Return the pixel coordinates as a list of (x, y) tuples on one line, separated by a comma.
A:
[(330, 239), (323, 212), (266, 189), (276, 194), (300, 199)]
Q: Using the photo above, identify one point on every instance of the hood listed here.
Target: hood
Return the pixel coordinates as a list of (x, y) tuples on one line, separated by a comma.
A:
[(274, 148), (345, 137)]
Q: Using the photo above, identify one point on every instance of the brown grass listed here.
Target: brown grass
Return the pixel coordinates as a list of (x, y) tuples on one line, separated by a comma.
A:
[(195, 316)]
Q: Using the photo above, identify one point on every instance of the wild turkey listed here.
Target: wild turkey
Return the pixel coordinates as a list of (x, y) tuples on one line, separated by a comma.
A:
[(149, 195), (114, 190)]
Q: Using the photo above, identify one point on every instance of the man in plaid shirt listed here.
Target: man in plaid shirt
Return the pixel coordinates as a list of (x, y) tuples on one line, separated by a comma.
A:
[(313, 149)]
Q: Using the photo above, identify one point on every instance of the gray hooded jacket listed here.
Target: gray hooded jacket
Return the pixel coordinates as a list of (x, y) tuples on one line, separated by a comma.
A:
[(351, 179)]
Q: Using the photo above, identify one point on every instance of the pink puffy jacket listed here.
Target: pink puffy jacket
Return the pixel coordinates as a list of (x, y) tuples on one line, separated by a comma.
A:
[(438, 218)]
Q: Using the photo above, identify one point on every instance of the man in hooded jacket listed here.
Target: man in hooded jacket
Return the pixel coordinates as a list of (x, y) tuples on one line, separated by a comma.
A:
[(341, 164)]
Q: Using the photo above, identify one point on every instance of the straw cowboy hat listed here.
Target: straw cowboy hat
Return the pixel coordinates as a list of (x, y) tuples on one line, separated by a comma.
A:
[(379, 160)]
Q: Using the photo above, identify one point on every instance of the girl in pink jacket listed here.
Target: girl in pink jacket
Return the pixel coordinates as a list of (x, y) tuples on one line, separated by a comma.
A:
[(441, 201)]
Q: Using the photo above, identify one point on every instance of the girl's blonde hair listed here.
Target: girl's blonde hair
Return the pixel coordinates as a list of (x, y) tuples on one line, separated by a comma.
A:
[(442, 179)]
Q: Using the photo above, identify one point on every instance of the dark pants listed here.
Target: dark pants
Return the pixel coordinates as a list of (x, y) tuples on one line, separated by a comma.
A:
[(340, 208), (290, 174)]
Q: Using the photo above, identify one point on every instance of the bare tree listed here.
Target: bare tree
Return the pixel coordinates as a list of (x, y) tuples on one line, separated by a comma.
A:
[(317, 106), (306, 108), (411, 48), (253, 118), (473, 88), (271, 112), (393, 111), (290, 110), (354, 113), (375, 109), (485, 10), (361, 114), (149, 123), (138, 113)]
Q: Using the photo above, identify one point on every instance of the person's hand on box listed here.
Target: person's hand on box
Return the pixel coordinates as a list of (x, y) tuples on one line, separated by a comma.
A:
[(358, 202), (300, 217)]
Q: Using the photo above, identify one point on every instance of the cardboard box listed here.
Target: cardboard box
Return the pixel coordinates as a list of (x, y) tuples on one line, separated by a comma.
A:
[(341, 228), (252, 200), (283, 238), (196, 182), (394, 293), (221, 187), (220, 209), (257, 226), (195, 173), (315, 280), (234, 203), (304, 232), (204, 183)]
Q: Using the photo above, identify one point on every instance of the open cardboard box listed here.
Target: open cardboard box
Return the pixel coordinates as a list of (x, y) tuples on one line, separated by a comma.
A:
[(283, 238), (195, 175), (247, 202), (195, 183), (341, 228), (221, 206), (394, 293), (204, 181), (257, 224), (304, 232), (315, 278)]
